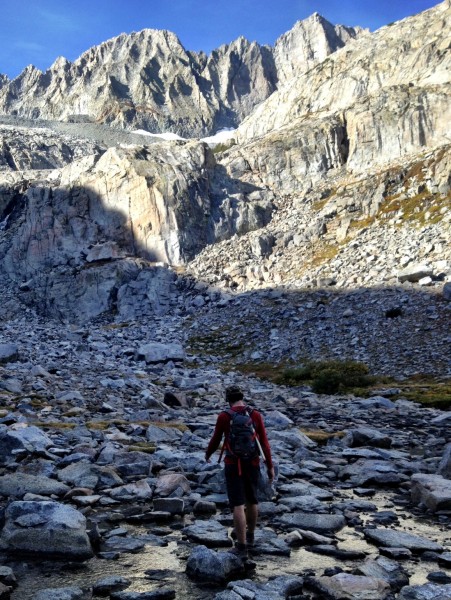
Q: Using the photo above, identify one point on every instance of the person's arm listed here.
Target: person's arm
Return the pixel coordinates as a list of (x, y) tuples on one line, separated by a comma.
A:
[(216, 438), (263, 439)]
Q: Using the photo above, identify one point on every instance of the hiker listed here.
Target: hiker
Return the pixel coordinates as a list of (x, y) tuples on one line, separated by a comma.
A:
[(241, 464)]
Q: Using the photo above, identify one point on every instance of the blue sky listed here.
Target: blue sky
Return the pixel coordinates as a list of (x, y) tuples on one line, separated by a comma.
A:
[(38, 31)]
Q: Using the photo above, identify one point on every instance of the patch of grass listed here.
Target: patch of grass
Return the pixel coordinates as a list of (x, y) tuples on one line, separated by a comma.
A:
[(147, 447), (169, 425), (427, 391), (423, 208), (321, 437), (218, 343), (223, 147), (362, 223), (55, 425), (102, 425), (328, 377), (116, 326), (324, 253)]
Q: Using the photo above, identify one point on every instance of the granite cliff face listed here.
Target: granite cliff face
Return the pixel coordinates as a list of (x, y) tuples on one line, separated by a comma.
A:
[(357, 153), (339, 175), (148, 80)]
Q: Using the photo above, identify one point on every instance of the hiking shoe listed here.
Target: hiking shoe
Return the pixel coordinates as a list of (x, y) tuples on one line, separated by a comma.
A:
[(240, 551)]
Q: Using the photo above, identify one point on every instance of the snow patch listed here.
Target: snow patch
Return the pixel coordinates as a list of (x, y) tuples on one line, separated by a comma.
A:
[(165, 136), (222, 136)]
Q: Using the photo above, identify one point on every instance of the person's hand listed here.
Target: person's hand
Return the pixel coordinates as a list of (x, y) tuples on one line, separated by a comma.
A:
[(271, 474), (207, 459)]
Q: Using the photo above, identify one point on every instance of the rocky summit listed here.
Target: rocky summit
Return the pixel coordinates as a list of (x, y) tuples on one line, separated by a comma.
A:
[(146, 264)]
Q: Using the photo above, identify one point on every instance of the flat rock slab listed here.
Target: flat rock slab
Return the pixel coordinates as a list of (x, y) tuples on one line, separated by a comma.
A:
[(319, 523), (351, 587), (208, 533), (66, 593), (401, 539), (430, 591), (18, 484)]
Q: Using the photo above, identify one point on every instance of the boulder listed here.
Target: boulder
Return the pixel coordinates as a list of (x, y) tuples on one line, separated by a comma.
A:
[(208, 533), (434, 491), (16, 485), (400, 539), (345, 586), (8, 353), (414, 273), (26, 439), (319, 523), (365, 436), (46, 529), (173, 485), (213, 567), (444, 468), (157, 352), (429, 591), (66, 593)]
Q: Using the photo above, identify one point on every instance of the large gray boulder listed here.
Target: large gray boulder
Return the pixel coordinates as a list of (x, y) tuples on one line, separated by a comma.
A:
[(16, 485), (345, 586), (157, 352), (8, 353), (433, 491), (429, 591), (27, 439), (414, 273), (45, 529), (214, 567)]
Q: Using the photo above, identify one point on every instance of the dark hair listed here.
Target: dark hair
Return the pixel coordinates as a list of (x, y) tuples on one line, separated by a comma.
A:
[(233, 394)]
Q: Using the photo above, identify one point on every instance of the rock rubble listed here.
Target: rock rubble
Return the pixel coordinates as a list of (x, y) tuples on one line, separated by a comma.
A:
[(108, 445)]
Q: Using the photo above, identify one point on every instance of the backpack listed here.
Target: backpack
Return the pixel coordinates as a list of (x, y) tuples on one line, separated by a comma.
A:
[(242, 439)]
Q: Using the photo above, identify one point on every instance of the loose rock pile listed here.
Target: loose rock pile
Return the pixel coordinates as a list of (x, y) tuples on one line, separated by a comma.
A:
[(103, 431)]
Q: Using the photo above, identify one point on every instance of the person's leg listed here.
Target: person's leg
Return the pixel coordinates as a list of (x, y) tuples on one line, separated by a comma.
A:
[(251, 518), (235, 492), (239, 523)]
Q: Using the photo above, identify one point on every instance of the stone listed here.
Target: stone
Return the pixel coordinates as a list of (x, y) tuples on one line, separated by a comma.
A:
[(345, 586), (172, 485), (157, 352), (428, 591), (414, 273), (66, 593), (396, 539), (45, 528), (8, 353), (434, 491), (444, 468), (17, 485), (208, 533), (207, 565), (113, 583), (26, 439), (319, 523), (174, 506)]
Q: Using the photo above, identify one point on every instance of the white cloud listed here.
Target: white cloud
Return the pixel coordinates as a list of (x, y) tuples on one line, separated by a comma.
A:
[(60, 21)]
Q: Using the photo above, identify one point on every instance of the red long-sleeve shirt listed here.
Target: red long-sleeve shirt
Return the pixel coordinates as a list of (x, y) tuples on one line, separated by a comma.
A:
[(222, 428)]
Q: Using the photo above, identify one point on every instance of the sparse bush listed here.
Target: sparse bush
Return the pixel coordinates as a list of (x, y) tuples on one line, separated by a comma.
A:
[(223, 146), (329, 377)]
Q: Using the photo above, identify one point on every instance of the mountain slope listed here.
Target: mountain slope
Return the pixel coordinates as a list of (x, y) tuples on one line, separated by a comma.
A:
[(148, 80)]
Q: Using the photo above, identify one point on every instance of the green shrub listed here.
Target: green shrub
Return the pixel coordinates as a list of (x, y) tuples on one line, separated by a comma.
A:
[(328, 377)]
